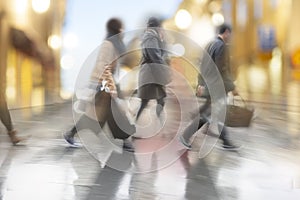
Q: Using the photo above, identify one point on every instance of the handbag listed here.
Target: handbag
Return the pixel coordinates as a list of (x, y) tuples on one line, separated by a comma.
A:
[(238, 116), (119, 123)]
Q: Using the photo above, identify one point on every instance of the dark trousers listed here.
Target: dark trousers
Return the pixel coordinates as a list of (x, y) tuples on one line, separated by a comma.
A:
[(159, 107), (117, 122), (4, 113), (201, 119)]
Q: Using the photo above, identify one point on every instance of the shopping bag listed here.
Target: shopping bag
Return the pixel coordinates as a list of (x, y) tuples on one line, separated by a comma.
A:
[(119, 123), (238, 115)]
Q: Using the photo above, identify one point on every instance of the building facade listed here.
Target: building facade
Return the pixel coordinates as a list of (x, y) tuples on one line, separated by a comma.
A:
[(29, 59)]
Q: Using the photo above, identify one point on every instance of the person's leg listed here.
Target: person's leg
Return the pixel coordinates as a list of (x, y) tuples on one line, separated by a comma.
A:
[(160, 106), (5, 116), (142, 107), (7, 122), (117, 126), (198, 121), (227, 144), (84, 122), (72, 132), (80, 124), (192, 128), (119, 133), (223, 136), (120, 126)]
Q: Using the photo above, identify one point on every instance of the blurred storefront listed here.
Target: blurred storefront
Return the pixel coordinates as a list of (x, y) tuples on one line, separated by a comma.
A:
[(265, 33), (30, 36)]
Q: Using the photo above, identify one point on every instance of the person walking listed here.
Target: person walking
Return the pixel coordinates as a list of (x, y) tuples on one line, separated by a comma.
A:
[(100, 111), (154, 72), (6, 120), (217, 52)]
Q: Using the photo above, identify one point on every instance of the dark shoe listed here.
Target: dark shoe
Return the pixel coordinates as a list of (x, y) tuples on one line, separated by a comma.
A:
[(185, 143), (230, 147), (127, 146), (69, 139)]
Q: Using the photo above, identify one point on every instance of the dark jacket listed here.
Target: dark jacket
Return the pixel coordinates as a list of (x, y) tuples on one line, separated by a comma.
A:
[(216, 54)]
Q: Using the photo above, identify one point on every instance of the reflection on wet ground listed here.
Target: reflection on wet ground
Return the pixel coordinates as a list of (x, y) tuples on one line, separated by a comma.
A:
[(267, 166)]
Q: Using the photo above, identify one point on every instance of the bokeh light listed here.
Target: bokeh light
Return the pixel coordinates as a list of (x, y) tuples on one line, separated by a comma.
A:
[(40, 6), (183, 19)]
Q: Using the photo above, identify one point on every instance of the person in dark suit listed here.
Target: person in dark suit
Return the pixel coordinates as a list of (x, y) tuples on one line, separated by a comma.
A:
[(217, 54)]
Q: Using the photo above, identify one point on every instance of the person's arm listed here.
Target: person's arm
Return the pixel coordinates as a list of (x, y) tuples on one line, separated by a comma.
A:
[(222, 63), (105, 57), (103, 66)]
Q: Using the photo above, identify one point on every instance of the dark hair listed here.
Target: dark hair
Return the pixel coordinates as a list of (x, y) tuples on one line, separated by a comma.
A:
[(153, 22), (222, 28), (113, 26)]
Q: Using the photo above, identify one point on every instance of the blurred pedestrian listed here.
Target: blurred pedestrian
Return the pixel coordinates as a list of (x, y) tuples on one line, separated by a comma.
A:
[(100, 110), (218, 52), (6, 120), (154, 74)]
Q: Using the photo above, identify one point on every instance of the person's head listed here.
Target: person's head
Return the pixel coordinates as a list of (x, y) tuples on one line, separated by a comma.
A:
[(114, 26), (156, 24), (224, 31), (153, 22)]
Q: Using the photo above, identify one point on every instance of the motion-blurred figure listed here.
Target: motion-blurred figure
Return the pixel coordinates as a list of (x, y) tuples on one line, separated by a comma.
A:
[(218, 52), (154, 73), (99, 110), (6, 120)]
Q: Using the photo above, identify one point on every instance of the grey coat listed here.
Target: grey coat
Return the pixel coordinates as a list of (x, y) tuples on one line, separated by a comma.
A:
[(154, 72)]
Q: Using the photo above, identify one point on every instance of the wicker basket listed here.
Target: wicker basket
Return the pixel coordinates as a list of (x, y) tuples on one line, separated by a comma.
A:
[(238, 116)]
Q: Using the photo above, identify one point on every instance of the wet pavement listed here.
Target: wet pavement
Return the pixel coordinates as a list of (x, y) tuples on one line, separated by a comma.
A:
[(266, 167)]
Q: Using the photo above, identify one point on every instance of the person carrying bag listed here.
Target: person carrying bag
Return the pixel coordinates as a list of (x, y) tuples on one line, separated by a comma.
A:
[(100, 106)]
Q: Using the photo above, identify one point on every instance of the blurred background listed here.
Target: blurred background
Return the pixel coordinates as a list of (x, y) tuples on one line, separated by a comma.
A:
[(45, 42)]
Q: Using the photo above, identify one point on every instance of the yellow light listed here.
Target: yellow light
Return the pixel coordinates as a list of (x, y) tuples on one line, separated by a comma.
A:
[(21, 6), (275, 68), (183, 19), (258, 79), (217, 19), (11, 92), (54, 41), (37, 99), (20, 17), (201, 1), (65, 94), (40, 6), (203, 26), (214, 7)]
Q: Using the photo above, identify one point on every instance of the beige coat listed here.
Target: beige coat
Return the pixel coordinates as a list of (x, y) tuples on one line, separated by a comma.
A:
[(104, 68)]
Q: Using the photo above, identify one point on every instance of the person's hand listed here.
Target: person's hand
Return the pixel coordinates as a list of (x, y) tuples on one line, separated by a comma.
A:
[(199, 91), (235, 92), (113, 93)]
